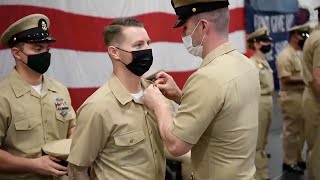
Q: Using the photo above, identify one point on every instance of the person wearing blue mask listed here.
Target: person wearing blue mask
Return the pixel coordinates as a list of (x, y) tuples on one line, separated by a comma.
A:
[(218, 114), (116, 134)]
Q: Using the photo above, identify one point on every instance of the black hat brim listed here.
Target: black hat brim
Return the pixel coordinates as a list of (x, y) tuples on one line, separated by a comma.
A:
[(47, 39), (179, 23)]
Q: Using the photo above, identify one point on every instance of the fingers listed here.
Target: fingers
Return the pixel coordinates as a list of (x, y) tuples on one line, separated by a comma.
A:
[(160, 81), (54, 159), (58, 166), (161, 86), (162, 75), (56, 172)]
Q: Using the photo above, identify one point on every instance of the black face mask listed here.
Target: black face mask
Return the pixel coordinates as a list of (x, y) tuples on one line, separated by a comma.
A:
[(141, 62), (265, 48), (39, 62), (301, 43)]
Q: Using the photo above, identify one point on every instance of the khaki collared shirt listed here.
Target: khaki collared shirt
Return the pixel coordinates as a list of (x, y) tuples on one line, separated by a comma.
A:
[(265, 75), (29, 120), (311, 55), (288, 64), (219, 115), (117, 136)]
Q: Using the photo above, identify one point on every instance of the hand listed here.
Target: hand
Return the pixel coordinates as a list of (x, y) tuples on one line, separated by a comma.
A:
[(46, 165), (153, 98), (168, 86)]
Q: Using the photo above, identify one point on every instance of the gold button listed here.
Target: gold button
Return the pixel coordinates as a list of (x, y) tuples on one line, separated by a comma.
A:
[(194, 9)]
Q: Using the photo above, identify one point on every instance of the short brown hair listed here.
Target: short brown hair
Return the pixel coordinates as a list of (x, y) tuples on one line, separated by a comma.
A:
[(113, 31)]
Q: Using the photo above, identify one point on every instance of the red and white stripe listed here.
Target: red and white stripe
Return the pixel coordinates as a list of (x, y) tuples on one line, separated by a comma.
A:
[(79, 59)]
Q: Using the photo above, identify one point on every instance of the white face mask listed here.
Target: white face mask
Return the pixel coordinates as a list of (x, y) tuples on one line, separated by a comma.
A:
[(187, 41)]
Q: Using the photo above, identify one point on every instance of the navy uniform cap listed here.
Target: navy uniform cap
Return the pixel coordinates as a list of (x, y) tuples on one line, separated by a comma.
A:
[(30, 29), (186, 8), (261, 34)]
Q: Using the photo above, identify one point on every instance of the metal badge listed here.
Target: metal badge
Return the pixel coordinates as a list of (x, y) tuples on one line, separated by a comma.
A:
[(43, 24), (64, 113), (61, 104)]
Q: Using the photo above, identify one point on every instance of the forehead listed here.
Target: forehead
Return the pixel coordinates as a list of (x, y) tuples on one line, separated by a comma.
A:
[(134, 33)]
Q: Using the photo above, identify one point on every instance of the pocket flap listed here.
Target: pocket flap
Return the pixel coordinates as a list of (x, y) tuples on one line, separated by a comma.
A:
[(27, 124), (130, 138), (65, 115)]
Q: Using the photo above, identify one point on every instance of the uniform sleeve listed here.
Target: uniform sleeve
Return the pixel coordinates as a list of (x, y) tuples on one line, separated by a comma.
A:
[(284, 67), (316, 54), (4, 119), (91, 134), (73, 121), (200, 103)]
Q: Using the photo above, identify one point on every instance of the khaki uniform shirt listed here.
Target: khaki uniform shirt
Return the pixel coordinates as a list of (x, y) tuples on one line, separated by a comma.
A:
[(29, 120), (311, 55), (265, 74), (288, 64), (219, 115), (117, 136)]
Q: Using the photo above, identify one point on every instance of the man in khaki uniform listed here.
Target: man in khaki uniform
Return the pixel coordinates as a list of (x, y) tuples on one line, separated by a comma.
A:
[(34, 109), (218, 114), (260, 42), (116, 134), (289, 69), (311, 100)]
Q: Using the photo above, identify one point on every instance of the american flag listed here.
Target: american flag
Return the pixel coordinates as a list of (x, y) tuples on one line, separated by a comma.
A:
[(79, 58)]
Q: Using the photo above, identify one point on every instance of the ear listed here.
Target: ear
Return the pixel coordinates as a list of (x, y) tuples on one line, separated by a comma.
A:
[(205, 25), (113, 52), (15, 53)]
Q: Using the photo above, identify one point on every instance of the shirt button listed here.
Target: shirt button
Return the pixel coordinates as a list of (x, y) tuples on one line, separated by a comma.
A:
[(45, 121), (145, 112), (150, 131), (155, 151), (131, 140)]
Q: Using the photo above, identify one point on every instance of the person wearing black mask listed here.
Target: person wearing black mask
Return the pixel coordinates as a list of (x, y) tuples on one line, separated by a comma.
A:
[(34, 109), (120, 130), (260, 42), (289, 70)]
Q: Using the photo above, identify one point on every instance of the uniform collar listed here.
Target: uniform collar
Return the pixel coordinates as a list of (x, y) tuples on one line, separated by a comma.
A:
[(292, 50), (120, 92), (219, 51), (259, 58), (21, 87)]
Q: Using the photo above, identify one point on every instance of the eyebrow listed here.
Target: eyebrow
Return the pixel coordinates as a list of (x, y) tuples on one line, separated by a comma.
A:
[(141, 41)]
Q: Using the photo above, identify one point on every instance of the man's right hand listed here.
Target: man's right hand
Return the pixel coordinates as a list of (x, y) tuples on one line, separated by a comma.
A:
[(168, 87), (46, 165)]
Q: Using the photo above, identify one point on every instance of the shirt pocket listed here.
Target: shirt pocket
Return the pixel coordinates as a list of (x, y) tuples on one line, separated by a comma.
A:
[(131, 148), (28, 133), (297, 65), (63, 122), (61, 116)]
